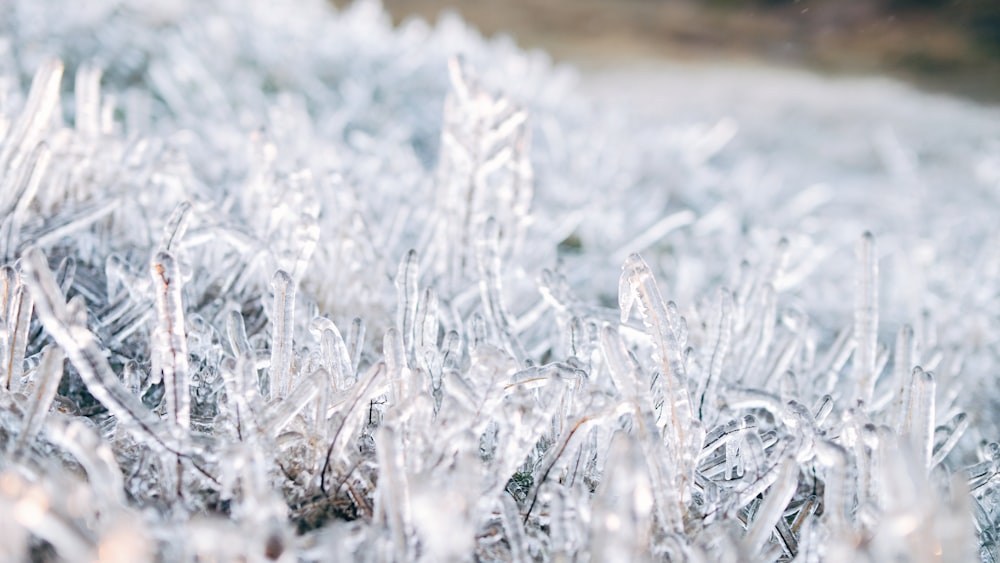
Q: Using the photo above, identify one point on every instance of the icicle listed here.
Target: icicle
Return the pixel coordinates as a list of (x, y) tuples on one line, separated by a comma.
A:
[(866, 319), (170, 353)]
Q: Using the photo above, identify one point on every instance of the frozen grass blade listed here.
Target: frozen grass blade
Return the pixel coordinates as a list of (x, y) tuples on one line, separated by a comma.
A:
[(170, 354), (866, 319), (47, 377), (638, 286), (43, 101), (773, 507), (281, 336), (20, 323)]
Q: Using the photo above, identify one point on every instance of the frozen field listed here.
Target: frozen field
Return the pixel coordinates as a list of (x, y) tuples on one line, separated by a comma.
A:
[(291, 284)]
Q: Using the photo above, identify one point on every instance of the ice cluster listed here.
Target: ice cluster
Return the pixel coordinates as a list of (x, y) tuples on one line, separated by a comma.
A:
[(286, 284)]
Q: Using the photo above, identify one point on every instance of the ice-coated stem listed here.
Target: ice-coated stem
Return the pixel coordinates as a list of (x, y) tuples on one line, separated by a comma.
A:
[(625, 372), (834, 459), (23, 191), (355, 343), (406, 308), (333, 350), (48, 375), (428, 325), (360, 392), (87, 92), (773, 506), (491, 288), (955, 428), (43, 102), (176, 226), (511, 518), (32, 507), (395, 362), (621, 524), (719, 349), (394, 494), (282, 412), (243, 389), (8, 285), (170, 353), (94, 455), (866, 319), (902, 367), (236, 332), (920, 421), (638, 286), (281, 335), (20, 317)]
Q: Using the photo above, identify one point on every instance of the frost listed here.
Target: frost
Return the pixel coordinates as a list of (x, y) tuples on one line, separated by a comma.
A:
[(294, 285)]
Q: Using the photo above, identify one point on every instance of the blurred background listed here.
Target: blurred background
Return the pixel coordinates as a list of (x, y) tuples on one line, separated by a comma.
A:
[(948, 46)]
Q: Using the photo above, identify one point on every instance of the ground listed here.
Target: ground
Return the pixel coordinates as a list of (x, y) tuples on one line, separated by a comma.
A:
[(948, 49)]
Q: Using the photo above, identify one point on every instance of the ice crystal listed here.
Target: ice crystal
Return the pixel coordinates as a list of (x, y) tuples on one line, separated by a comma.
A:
[(281, 283)]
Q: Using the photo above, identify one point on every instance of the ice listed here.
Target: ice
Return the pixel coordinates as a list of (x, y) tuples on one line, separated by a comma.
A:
[(291, 284), (866, 318), (170, 350)]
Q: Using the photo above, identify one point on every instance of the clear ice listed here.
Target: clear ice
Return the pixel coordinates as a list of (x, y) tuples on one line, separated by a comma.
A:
[(289, 284)]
